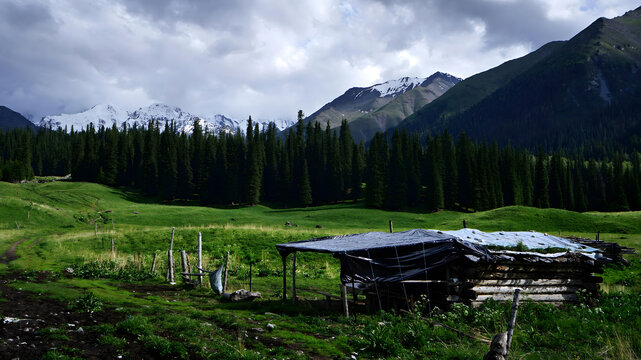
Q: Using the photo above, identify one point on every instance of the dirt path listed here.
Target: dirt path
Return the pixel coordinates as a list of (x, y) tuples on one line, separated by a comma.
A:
[(10, 254)]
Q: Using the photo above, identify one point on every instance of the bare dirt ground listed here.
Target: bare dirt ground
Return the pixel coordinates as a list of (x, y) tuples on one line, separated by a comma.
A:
[(32, 325)]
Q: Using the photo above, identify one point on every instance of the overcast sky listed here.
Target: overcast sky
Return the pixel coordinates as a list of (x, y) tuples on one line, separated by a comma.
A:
[(261, 58)]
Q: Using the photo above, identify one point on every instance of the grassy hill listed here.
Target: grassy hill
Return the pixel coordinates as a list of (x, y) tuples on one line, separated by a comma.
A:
[(64, 224)]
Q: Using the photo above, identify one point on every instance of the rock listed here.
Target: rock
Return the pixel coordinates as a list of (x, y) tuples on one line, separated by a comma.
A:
[(270, 326), (242, 295), (287, 223), (259, 330), (136, 212), (68, 271), (80, 330), (319, 226)]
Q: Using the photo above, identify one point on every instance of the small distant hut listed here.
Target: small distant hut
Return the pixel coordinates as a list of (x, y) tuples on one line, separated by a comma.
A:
[(393, 270)]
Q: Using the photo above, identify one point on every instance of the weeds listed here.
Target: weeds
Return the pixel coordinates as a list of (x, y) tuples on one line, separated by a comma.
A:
[(86, 303)]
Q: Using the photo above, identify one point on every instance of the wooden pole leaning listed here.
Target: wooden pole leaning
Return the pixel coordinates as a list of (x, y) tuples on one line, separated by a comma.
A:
[(512, 323)]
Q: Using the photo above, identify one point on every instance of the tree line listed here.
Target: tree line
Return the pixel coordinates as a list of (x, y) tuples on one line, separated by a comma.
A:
[(309, 165)]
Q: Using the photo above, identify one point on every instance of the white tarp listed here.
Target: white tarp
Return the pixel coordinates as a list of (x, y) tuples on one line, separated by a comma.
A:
[(530, 239)]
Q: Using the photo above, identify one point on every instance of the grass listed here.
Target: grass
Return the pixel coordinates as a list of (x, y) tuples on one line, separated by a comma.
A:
[(72, 224)]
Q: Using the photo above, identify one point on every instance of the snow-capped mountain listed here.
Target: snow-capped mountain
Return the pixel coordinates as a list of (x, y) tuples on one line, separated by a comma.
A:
[(99, 115), (108, 115), (408, 93), (392, 88)]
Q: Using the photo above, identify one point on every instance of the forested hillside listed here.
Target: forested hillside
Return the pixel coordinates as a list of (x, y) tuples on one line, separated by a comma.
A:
[(580, 95), (315, 166)]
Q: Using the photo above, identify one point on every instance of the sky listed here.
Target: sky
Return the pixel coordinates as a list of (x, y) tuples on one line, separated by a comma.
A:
[(267, 59)]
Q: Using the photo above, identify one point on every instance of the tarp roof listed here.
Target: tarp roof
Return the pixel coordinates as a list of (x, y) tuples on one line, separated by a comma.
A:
[(530, 239), (366, 241)]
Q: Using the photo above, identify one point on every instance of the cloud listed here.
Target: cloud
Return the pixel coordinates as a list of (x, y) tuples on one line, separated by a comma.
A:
[(265, 58)]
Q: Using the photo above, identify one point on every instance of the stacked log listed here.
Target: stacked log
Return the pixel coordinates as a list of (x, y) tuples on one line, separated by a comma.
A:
[(554, 280)]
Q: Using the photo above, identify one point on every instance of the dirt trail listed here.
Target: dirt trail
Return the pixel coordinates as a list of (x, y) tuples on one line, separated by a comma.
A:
[(10, 254)]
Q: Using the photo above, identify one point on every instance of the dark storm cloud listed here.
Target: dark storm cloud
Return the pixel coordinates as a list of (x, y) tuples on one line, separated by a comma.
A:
[(267, 58)]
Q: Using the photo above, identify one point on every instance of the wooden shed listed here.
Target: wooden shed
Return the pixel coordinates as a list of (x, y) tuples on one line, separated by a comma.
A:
[(393, 270)]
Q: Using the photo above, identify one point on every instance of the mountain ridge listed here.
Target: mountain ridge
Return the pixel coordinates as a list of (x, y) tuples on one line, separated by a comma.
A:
[(108, 115), (564, 94), (360, 103)]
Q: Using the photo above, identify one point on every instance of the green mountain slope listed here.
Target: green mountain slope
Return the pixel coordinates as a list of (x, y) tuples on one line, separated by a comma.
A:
[(566, 94)]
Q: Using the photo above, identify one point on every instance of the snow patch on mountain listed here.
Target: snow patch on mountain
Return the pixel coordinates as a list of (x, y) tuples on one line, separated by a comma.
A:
[(108, 115), (99, 115), (399, 86)]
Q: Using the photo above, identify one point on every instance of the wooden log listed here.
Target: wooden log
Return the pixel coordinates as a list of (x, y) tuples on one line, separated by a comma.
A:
[(294, 279), (200, 257), (170, 259), (512, 322), (523, 282), (153, 263), (533, 297), (528, 275), (391, 227), (183, 263), (561, 289), (344, 301), (170, 267)]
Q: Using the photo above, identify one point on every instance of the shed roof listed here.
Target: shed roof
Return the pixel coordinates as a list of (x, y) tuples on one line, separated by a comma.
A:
[(366, 241)]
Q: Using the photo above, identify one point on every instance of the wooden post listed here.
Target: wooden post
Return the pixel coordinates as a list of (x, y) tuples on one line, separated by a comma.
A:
[(464, 224), (113, 249), (284, 278), (170, 259), (344, 300), (294, 279), (598, 233), (391, 227), (170, 268), (200, 258), (183, 262), (512, 323), (354, 296), (153, 264), (225, 276)]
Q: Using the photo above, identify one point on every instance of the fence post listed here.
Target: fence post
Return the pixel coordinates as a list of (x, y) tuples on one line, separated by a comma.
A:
[(200, 258)]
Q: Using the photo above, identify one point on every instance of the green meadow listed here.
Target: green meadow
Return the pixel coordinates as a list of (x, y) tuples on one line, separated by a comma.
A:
[(66, 224)]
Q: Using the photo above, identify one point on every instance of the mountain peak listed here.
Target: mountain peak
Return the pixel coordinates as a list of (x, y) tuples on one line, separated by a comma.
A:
[(108, 115)]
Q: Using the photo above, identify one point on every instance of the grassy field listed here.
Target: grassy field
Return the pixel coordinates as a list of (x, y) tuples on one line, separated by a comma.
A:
[(64, 224)]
